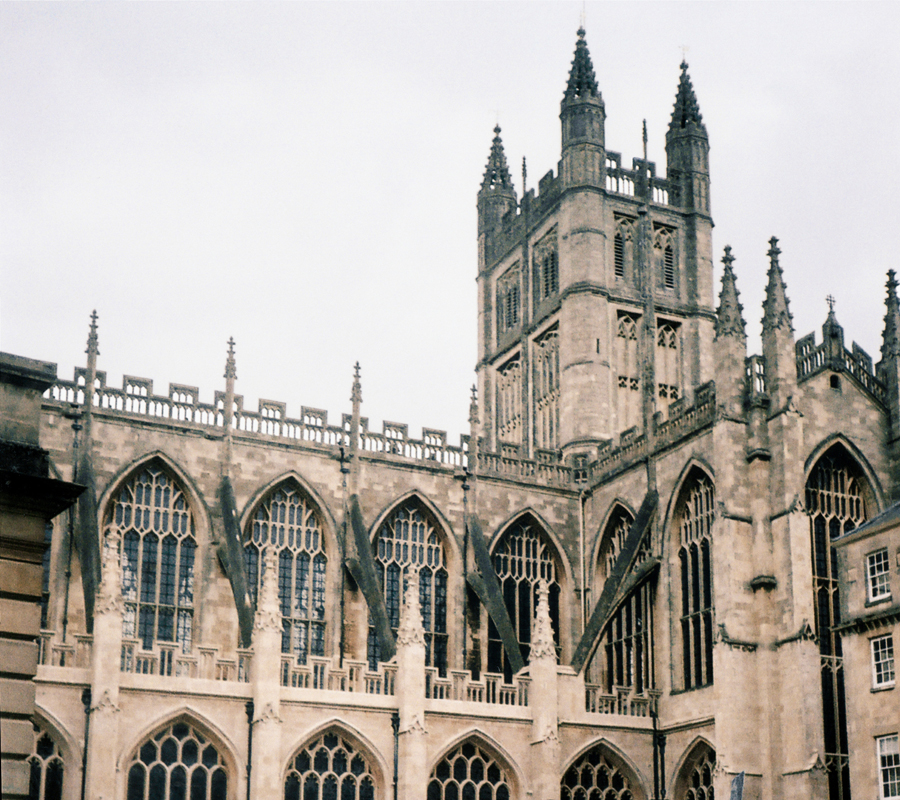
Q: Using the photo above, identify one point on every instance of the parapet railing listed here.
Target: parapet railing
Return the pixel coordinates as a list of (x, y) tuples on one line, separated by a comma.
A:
[(640, 180), (54, 653), (812, 358), (169, 661), (623, 700), (355, 676), (490, 688)]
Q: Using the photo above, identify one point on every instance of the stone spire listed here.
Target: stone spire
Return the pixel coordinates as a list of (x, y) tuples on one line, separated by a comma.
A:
[(543, 646), (890, 340), (729, 320), (582, 81), (776, 315), (686, 113), (496, 173)]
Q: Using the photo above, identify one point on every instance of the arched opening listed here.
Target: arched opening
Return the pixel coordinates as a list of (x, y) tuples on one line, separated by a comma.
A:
[(175, 763), (838, 499), (327, 768), (470, 771), (152, 515), (598, 773), (47, 767), (695, 778), (410, 540), (693, 525), (287, 520), (522, 557)]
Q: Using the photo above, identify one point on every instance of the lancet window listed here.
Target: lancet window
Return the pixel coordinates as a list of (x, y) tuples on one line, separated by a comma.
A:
[(628, 370), (287, 521), (546, 267), (522, 558), (509, 402), (664, 257), (177, 763), (835, 503), (409, 542), (152, 515), (696, 519), (47, 768), (328, 768), (596, 775), (623, 249), (468, 772), (546, 390), (508, 300), (668, 363), (628, 641)]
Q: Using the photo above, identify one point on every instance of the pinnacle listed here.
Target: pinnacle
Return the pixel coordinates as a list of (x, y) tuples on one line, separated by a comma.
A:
[(687, 110), (542, 643), (775, 307), (890, 346), (729, 320), (356, 391), (496, 174), (93, 339), (230, 363), (473, 406), (582, 81)]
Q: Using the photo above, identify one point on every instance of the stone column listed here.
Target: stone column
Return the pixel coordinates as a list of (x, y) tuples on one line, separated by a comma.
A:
[(102, 726), (413, 769), (265, 762), (544, 694)]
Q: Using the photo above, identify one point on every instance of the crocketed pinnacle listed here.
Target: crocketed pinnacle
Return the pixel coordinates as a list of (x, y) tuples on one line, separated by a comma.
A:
[(890, 342), (729, 320), (687, 110), (775, 307), (582, 81), (496, 174), (356, 391), (473, 407), (93, 341), (542, 644), (230, 363)]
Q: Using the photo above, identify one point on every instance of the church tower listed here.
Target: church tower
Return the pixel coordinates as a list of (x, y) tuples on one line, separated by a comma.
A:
[(595, 293)]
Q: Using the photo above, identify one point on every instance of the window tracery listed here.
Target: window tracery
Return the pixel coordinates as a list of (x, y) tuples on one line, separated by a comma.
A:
[(328, 768), (623, 248), (835, 503), (521, 559), (177, 763), (468, 772), (595, 775), (664, 257), (508, 300), (158, 547), (47, 768), (546, 267), (698, 783), (287, 521), (509, 402), (546, 390), (696, 519), (668, 363), (628, 370), (408, 541)]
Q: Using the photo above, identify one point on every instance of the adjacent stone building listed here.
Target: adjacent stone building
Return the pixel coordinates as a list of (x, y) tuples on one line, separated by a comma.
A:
[(621, 583)]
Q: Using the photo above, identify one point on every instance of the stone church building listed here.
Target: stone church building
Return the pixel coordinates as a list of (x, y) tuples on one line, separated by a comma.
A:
[(619, 584)]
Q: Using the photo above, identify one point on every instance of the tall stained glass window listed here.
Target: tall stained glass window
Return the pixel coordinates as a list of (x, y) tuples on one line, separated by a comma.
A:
[(287, 521), (152, 515)]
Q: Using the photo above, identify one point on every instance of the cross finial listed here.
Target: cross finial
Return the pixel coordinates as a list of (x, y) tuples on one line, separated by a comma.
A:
[(230, 366), (92, 336), (356, 393), (728, 259), (774, 252), (830, 301)]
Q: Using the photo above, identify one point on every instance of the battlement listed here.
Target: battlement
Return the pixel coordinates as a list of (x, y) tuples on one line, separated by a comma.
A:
[(639, 182), (857, 363)]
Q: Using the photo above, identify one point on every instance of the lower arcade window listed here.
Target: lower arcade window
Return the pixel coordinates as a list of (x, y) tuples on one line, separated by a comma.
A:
[(329, 768), (468, 773), (594, 775), (46, 768)]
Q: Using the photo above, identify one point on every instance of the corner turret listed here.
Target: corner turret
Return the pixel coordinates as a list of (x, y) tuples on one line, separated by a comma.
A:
[(583, 117), (687, 148), (497, 195)]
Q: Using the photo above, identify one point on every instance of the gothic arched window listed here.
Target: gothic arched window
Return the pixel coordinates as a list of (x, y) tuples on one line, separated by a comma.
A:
[(668, 363), (696, 779), (508, 300), (177, 763), (595, 774), (152, 515), (546, 268), (623, 248), (628, 370), (836, 504), (409, 540), (664, 258), (694, 519), (521, 559), (47, 768), (287, 521), (546, 390), (628, 639), (329, 768), (509, 402), (468, 772)]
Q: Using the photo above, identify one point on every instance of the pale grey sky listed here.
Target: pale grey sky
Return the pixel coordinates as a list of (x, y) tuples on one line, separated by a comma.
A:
[(302, 176)]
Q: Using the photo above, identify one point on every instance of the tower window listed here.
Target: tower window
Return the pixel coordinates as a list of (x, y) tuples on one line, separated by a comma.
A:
[(508, 300), (619, 247), (669, 267), (623, 248), (546, 267), (664, 259)]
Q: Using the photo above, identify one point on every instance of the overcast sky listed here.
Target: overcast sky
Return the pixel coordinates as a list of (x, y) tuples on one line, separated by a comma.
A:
[(303, 176)]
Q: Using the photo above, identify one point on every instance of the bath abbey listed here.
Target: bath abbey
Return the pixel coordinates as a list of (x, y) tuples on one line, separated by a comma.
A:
[(655, 566)]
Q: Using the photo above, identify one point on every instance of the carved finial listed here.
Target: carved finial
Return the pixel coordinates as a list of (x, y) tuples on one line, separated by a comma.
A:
[(356, 393), (582, 81), (687, 110), (775, 307), (830, 301), (890, 343), (524, 176), (230, 363), (496, 173), (645, 140), (92, 336), (410, 630), (543, 645), (473, 406), (729, 319)]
